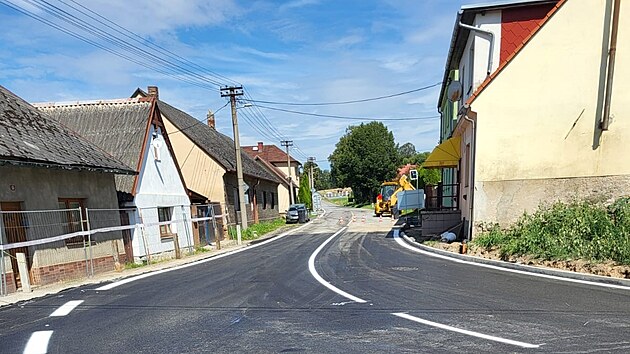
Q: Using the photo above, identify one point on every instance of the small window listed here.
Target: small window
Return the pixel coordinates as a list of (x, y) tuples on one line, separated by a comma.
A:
[(73, 220), (264, 199), (164, 215), (273, 200)]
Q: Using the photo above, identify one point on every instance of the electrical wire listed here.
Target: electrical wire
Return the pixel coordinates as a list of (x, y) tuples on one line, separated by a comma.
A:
[(346, 117), (345, 102)]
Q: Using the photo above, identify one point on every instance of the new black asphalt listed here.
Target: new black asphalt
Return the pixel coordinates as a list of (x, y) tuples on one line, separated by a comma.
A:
[(265, 300)]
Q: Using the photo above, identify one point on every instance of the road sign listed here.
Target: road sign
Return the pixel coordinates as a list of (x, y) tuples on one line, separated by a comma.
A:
[(413, 175)]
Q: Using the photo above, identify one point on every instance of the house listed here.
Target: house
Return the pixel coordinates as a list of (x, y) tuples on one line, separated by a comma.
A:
[(285, 164), (524, 105), (207, 160), (45, 167), (132, 130)]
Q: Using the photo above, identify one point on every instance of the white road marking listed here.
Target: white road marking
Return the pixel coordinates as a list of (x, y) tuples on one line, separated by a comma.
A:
[(66, 308), (457, 260), (146, 275), (466, 332), (311, 268), (38, 342)]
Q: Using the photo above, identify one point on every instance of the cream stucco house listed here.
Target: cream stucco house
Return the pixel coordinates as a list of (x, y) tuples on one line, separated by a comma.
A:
[(527, 82)]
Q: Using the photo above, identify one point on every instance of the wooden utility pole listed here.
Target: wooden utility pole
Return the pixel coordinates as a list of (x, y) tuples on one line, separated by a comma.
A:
[(232, 92), (287, 143)]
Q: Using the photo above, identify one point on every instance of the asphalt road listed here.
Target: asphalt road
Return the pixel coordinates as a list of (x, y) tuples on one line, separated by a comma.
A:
[(267, 300)]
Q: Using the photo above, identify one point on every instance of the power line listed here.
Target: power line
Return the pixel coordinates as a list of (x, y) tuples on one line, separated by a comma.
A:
[(346, 102), (346, 117)]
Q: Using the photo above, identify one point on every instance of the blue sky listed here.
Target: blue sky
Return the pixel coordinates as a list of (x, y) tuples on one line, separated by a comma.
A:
[(303, 51)]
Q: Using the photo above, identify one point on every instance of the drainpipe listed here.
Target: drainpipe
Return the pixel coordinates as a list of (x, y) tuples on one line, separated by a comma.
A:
[(490, 34), (611, 65), (471, 116)]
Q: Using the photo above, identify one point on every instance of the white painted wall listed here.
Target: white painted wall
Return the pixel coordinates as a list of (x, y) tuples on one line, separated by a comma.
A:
[(159, 185)]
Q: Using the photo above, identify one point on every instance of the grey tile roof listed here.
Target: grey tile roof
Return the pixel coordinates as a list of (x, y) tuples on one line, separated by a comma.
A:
[(116, 126), (217, 145), (30, 137)]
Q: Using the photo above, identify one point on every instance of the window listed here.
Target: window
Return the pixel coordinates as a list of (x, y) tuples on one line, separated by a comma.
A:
[(273, 200), (467, 171), (264, 199), (237, 204), (73, 221), (164, 214)]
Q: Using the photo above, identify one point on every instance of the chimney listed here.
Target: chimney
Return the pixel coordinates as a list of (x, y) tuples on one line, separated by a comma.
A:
[(153, 92), (260, 146), (210, 120)]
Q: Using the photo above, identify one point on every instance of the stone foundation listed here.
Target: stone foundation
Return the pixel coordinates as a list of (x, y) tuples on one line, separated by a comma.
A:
[(72, 270)]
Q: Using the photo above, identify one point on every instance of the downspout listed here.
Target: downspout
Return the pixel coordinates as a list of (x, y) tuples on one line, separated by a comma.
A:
[(473, 121), (611, 65), (491, 35)]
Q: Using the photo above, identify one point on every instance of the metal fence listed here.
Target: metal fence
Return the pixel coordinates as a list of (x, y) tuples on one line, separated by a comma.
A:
[(56, 245)]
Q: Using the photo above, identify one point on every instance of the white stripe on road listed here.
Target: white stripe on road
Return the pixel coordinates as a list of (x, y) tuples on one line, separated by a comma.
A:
[(457, 260), (146, 275), (38, 342), (311, 268), (66, 308), (466, 332)]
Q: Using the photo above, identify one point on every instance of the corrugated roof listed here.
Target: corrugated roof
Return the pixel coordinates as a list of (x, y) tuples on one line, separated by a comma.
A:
[(116, 126), (30, 137), (219, 146)]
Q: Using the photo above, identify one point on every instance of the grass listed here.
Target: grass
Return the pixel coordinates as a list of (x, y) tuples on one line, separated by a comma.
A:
[(343, 201), (564, 231), (254, 231)]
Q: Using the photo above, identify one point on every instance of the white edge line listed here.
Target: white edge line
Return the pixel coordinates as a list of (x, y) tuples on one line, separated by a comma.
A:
[(66, 308), (466, 332), (456, 260), (146, 275), (311, 268), (38, 342)]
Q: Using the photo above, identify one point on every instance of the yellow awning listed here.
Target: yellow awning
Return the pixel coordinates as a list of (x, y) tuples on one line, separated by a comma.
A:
[(444, 155)]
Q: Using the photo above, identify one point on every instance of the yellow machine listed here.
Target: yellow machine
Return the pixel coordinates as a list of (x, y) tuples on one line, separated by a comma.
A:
[(386, 199)]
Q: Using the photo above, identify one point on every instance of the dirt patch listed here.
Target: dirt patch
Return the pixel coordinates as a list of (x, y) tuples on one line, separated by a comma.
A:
[(608, 269)]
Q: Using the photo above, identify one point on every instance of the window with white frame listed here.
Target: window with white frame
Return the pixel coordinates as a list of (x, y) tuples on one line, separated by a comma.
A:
[(165, 214)]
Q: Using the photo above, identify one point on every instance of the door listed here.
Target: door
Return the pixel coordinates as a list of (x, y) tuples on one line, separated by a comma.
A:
[(126, 236), (15, 232)]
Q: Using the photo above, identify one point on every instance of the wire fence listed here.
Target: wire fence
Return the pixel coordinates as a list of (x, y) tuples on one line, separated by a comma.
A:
[(56, 245)]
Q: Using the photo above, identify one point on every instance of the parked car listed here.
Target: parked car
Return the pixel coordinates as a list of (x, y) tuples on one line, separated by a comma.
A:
[(294, 213)]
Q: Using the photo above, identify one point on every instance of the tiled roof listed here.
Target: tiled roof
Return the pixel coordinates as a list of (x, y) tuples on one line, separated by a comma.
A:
[(219, 146), (281, 176), (517, 24), (30, 137), (116, 126), (270, 153), (520, 46)]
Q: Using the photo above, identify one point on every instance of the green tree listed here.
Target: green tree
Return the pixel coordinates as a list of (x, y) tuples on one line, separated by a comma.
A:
[(363, 158), (304, 193), (324, 181), (407, 153)]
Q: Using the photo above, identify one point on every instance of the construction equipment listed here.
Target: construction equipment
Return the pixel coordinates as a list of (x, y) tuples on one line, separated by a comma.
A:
[(386, 199)]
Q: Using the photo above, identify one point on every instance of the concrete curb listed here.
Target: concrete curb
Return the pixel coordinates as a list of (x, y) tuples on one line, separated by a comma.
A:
[(518, 266)]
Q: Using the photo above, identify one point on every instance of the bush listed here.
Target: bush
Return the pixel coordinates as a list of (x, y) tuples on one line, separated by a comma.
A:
[(576, 230)]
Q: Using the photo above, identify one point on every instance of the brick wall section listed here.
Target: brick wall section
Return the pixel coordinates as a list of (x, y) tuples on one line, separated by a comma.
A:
[(11, 286), (517, 24), (73, 270)]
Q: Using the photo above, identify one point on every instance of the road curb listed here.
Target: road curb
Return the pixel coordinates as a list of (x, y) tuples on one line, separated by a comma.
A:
[(518, 266)]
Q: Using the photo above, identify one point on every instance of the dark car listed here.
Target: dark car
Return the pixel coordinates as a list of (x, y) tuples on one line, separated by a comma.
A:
[(293, 214)]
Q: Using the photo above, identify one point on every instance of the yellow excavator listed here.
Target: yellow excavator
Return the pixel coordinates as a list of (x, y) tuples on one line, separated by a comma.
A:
[(386, 199)]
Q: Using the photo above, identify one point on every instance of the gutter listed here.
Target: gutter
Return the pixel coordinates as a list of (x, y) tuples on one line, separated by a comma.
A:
[(611, 66), (488, 33), (473, 120)]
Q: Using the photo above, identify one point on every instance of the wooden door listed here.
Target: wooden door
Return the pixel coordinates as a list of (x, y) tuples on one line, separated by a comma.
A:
[(15, 232), (126, 236)]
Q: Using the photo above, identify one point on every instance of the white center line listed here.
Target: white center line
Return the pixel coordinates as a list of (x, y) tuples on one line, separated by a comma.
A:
[(66, 308), (311, 268), (38, 342), (466, 332)]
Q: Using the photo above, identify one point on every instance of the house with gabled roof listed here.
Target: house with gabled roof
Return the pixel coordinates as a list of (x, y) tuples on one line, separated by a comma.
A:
[(283, 163), (532, 106), (45, 166), (132, 130), (207, 160)]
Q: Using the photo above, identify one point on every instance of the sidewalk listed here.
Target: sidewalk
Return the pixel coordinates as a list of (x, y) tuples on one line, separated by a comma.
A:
[(43, 290)]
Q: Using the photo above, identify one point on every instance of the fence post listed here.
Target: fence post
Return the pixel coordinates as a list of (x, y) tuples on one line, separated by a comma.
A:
[(144, 238), (3, 275), (214, 227), (187, 222), (89, 228)]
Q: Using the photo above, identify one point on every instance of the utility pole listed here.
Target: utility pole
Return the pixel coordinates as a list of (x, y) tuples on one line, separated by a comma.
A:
[(312, 178), (287, 143), (232, 92)]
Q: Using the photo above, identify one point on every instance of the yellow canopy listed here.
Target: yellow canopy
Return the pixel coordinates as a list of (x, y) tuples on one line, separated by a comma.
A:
[(444, 155)]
